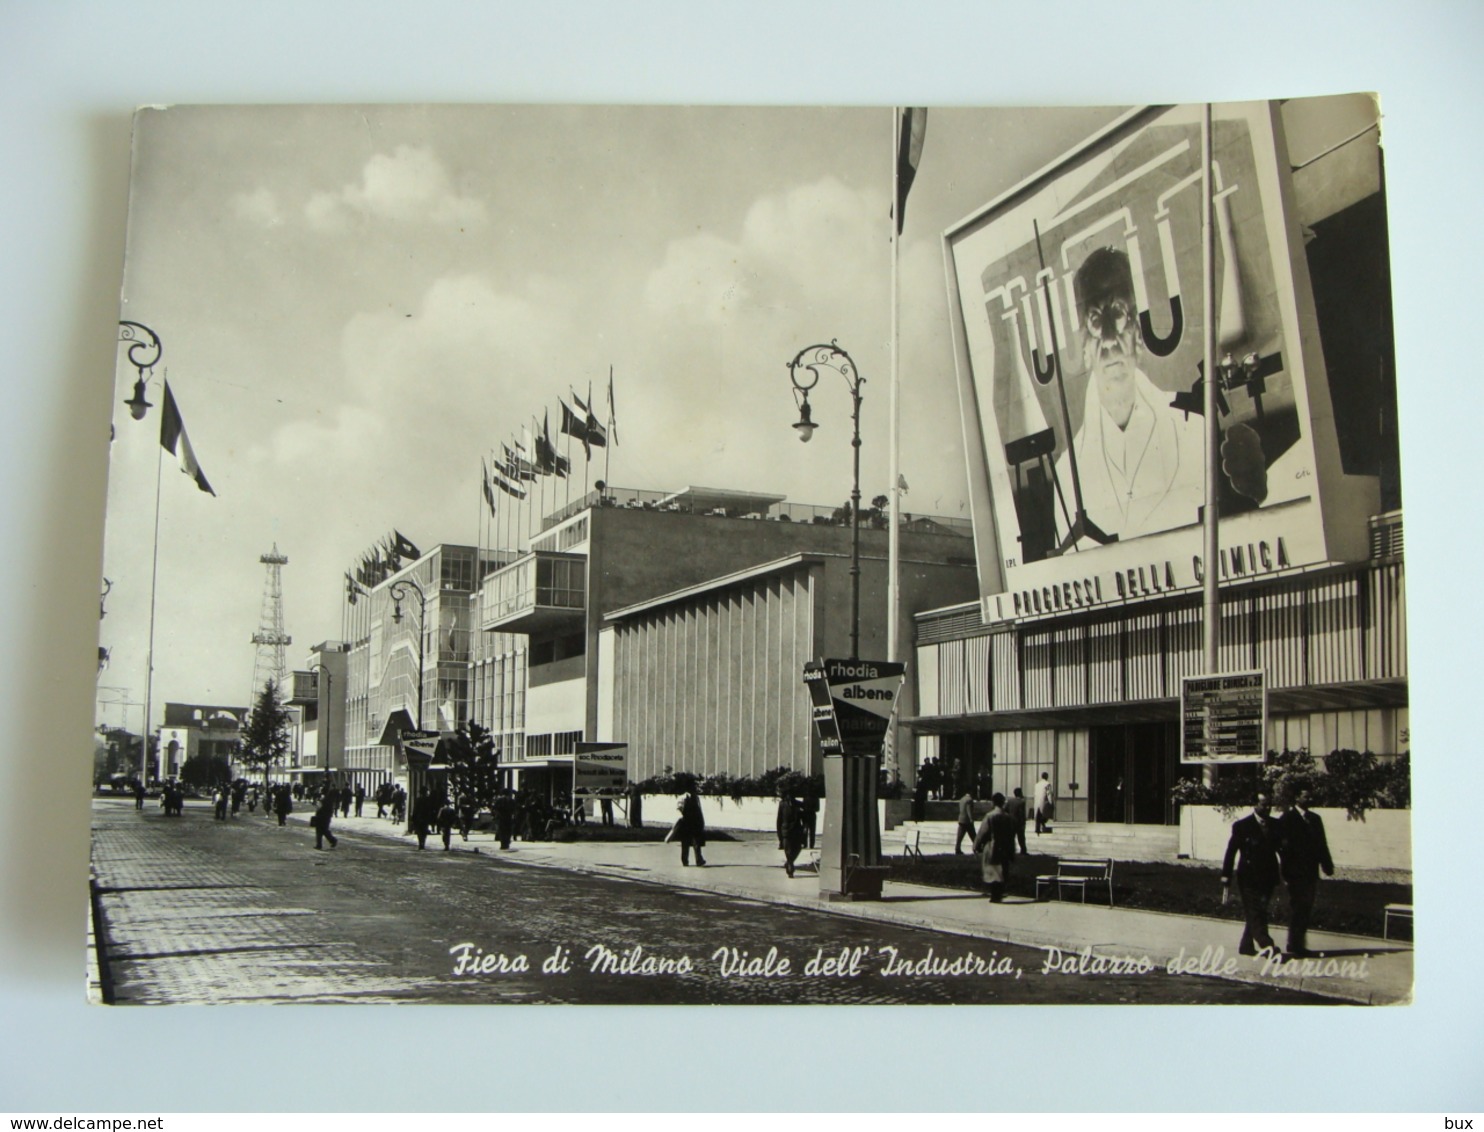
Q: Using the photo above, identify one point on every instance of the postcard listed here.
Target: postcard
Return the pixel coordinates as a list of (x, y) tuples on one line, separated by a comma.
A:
[(475, 627)]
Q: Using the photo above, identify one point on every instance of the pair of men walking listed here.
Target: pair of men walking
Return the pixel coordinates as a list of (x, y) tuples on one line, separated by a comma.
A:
[(1264, 850)]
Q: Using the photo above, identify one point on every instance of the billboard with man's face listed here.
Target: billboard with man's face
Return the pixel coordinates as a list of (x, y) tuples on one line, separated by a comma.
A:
[(1083, 321)]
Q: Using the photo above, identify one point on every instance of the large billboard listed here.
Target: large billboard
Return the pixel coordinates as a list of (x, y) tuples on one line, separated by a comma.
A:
[(1082, 316)]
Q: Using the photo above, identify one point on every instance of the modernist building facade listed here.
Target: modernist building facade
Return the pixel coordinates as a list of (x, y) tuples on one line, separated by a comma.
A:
[(1071, 662), (408, 648), (188, 730), (317, 691), (678, 624)]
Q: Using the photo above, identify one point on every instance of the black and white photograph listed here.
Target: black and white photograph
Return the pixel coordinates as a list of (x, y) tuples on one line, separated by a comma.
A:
[(859, 550), (476, 629)]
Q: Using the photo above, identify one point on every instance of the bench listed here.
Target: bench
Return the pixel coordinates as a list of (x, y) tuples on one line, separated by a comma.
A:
[(1078, 873), (1399, 912)]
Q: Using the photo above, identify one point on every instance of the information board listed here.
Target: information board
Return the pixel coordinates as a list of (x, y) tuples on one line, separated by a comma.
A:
[(1224, 718)]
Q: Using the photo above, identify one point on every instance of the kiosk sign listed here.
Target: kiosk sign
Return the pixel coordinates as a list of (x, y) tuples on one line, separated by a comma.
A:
[(1224, 718), (853, 701)]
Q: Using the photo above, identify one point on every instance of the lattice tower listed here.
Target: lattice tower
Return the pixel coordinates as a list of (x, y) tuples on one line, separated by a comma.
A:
[(272, 660)]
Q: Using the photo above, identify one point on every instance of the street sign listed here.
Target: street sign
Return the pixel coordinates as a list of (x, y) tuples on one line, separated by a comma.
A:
[(418, 747), (852, 703), (1224, 718)]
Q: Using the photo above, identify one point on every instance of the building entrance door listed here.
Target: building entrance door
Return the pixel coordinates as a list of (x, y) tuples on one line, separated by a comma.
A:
[(1133, 767)]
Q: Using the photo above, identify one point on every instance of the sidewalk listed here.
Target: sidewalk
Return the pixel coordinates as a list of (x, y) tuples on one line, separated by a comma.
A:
[(1354, 968)]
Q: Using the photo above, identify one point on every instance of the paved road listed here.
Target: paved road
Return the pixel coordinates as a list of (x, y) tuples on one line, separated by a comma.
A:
[(196, 910)]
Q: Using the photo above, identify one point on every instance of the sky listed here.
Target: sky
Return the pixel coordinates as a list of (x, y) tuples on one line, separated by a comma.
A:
[(357, 304)]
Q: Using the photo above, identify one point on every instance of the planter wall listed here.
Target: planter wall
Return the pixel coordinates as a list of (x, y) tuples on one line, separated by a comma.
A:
[(754, 814), (1382, 841)]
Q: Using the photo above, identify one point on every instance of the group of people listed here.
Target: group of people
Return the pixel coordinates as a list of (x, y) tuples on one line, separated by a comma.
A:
[(1264, 850)]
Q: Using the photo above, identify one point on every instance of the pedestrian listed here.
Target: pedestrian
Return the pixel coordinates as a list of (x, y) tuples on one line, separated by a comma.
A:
[(448, 817), (920, 796), (1045, 804), (383, 798), (220, 802), (1015, 806), (809, 808), (1253, 848), (399, 804), (605, 804), (691, 828), (360, 796), (283, 802), (323, 816), (138, 788), (505, 815), (996, 845), (345, 800), (1304, 851), (965, 822), (423, 814), (239, 794), (791, 832), (636, 806)]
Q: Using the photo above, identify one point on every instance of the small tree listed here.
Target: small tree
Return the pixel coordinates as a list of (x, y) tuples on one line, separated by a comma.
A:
[(267, 736)]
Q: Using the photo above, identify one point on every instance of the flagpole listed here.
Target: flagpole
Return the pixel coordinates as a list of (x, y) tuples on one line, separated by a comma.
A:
[(608, 448), (1211, 604), (893, 470), (894, 549)]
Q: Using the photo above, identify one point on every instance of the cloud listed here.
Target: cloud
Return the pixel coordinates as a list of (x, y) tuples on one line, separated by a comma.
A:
[(409, 185), (259, 207), (788, 244)]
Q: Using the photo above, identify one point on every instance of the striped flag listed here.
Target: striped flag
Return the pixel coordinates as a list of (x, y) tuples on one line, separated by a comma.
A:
[(909, 155), (173, 439)]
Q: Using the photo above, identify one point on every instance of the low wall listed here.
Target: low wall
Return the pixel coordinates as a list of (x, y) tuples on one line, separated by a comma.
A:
[(754, 814), (1382, 841)]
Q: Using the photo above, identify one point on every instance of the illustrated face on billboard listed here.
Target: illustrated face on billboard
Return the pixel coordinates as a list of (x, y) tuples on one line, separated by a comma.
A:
[(1084, 323)]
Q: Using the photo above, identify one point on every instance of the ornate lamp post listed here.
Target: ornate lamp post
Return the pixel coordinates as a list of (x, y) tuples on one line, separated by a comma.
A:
[(144, 354), (812, 359), (399, 592), (850, 865)]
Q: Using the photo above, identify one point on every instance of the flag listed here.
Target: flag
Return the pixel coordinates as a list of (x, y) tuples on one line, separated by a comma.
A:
[(516, 467), (508, 485), (597, 435), (902, 484), (173, 439), (612, 417), (389, 549), (405, 547), (548, 462), (352, 588), (489, 491), (573, 425), (909, 155)]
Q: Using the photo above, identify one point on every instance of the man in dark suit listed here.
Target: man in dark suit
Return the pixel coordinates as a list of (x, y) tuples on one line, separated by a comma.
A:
[(1305, 851), (1253, 847)]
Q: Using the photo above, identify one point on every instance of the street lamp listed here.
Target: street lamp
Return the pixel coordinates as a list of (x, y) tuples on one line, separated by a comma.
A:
[(329, 702), (399, 591), (812, 359)]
